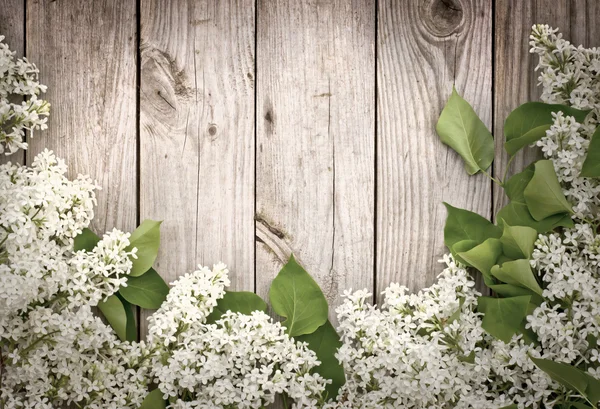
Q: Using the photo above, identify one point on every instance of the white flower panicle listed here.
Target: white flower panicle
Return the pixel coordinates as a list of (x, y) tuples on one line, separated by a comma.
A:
[(190, 300), (429, 350), (240, 361), (53, 350), (568, 322), (21, 109)]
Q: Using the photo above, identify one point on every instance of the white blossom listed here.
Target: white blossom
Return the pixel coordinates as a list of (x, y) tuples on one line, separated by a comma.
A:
[(21, 109)]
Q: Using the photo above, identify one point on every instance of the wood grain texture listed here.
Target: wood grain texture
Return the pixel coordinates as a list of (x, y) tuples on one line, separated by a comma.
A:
[(515, 78), (197, 134), (12, 27), (315, 142), (424, 48), (86, 55)]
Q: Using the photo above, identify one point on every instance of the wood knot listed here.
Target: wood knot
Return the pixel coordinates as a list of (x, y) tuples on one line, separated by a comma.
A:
[(442, 18), (269, 117), (212, 131)]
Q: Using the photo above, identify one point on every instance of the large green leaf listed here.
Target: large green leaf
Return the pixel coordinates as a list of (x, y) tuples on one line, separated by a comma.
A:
[(131, 333), (86, 240), (509, 290), (515, 186), (543, 194), (591, 164), (297, 297), (146, 238), (517, 272), (572, 378), (147, 291), (530, 121), (464, 225), (154, 400), (460, 128), (116, 315), (325, 342), (503, 316), (518, 241), (517, 214), (243, 302), (483, 257), (462, 246)]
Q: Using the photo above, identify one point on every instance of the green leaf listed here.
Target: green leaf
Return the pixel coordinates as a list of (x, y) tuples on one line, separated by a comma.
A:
[(114, 312), (462, 246), (509, 290), (146, 238), (86, 240), (518, 241), (147, 291), (483, 257), (593, 389), (571, 377), (325, 342), (513, 406), (131, 326), (530, 121), (297, 297), (243, 302), (460, 128), (464, 225), (515, 186), (154, 400), (543, 194), (517, 272), (517, 214), (503, 316), (578, 405), (591, 164)]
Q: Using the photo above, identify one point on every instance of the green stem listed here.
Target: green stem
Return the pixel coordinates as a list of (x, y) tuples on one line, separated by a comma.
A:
[(493, 179)]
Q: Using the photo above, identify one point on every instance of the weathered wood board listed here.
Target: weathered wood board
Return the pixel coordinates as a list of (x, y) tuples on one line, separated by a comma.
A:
[(12, 27), (86, 53), (424, 49), (315, 142)]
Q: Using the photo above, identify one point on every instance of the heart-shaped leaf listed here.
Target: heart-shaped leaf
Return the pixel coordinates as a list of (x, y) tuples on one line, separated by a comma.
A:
[(518, 241), (325, 342), (465, 225), (147, 291), (530, 121), (591, 164), (86, 240), (517, 214), (483, 257), (543, 194), (503, 316), (517, 272), (115, 312), (297, 297), (243, 302), (515, 186), (146, 238), (460, 128), (154, 400)]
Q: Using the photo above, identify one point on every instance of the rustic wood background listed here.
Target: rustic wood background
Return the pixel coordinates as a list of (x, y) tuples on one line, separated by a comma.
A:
[(255, 129)]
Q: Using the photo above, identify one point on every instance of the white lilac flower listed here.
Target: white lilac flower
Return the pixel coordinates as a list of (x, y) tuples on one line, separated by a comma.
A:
[(54, 350), (429, 350), (21, 109), (241, 361)]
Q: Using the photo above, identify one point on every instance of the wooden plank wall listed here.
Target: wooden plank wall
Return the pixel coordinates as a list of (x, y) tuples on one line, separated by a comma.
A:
[(260, 128)]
